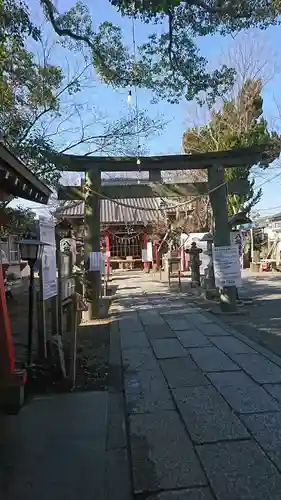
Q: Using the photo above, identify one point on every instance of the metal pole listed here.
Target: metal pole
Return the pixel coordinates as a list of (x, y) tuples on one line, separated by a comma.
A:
[(41, 318), (30, 314), (218, 200), (252, 244)]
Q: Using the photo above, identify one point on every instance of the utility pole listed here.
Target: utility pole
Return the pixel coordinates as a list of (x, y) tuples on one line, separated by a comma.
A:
[(218, 200), (92, 241)]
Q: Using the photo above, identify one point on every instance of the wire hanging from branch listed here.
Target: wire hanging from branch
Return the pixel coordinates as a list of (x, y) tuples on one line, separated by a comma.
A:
[(136, 104)]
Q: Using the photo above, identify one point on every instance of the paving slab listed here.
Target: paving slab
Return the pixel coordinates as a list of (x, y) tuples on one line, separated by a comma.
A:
[(185, 310), (242, 393), (261, 369), (178, 323), (162, 454), (194, 494), (117, 466), (150, 380), (197, 318), (162, 331), (266, 429), (129, 325), (147, 391), (131, 339), (151, 318), (192, 338), (211, 359), (240, 470), (168, 348), (231, 345), (137, 359), (207, 416), (212, 330), (150, 401), (49, 449), (116, 427), (274, 390), (182, 372), (275, 456)]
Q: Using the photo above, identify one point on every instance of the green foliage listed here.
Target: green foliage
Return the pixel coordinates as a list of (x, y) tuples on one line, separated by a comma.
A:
[(168, 63), (21, 220), (28, 90), (239, 123)]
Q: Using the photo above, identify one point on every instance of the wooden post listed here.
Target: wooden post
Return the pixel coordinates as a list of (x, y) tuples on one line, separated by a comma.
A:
[(73, 346), (218, 200), (179, 276), (59, 303), (92, 240)]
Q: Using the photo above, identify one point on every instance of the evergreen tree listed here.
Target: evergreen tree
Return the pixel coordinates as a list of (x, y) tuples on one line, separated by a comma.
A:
[(239, 123)]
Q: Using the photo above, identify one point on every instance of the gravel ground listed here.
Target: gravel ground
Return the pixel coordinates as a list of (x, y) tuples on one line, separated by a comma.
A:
[(92, 345), (93, 357)]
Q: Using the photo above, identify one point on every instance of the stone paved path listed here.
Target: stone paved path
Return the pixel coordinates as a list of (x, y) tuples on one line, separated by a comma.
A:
[(203, 403)]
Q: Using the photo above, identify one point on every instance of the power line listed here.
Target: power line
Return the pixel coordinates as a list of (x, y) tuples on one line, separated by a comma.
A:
[(267, 209), (268, 180)]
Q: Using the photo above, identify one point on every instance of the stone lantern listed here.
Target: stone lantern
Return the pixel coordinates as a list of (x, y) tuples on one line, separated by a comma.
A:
[(195, 263)]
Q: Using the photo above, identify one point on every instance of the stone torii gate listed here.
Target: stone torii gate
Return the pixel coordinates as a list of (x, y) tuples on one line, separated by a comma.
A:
[(216, 187)]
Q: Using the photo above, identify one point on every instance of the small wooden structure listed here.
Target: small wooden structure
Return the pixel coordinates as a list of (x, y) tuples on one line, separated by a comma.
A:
[(126, 231), (16, 180)]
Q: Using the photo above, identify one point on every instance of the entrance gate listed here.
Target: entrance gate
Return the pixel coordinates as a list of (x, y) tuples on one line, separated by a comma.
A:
[(217, 188)]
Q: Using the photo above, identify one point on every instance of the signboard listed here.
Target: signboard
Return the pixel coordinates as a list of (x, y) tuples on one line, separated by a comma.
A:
[(96, 261), (227, 266), (49, 263), (236, 239)]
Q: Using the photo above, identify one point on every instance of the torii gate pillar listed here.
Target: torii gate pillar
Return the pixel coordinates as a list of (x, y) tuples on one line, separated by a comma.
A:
[(218, 200)]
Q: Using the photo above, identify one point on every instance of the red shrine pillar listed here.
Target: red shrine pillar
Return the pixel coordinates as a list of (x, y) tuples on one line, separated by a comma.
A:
[(7, 358), (144, 247), (12, 381), (107, 252)]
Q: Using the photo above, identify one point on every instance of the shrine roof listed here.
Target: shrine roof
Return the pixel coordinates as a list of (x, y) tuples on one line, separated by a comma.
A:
[(17, 180), (112, 212)]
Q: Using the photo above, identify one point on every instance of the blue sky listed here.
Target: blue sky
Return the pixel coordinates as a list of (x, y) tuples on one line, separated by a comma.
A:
[(114, 103)]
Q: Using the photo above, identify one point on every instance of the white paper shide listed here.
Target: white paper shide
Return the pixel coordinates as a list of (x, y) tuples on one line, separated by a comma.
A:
[(96, 261), (227, 268)]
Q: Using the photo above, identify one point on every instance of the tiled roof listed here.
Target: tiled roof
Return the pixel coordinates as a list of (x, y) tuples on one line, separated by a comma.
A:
[(112, 212)]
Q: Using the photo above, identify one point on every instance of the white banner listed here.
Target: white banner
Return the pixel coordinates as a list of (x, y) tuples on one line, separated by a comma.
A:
[(149, 253), (144, 255), (227, 266), (49, 262)]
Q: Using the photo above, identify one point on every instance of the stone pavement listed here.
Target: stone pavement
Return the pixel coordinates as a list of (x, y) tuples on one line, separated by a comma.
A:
[(55, 449), (202, 402), (193, 412)]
